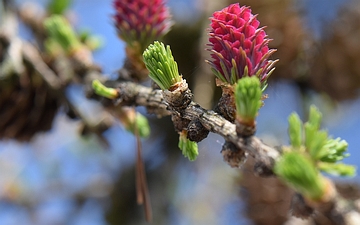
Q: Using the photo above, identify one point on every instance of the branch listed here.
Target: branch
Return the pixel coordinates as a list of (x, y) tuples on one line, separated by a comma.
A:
[(134, 94)]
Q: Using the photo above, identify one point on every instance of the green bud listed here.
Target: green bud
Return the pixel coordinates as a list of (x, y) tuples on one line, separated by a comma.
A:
[(338, 169), (133, 121), (248, 98), (59, 29), (93, 42), (103, 91), (161, 65), (189, 148), (58, 6), (295, 130), (335, 150), (142, 125), (323, 151), (315, 141), (298, 170), (315, 117)]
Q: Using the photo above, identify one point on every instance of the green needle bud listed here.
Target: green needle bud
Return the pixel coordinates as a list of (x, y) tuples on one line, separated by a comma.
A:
[(189, 148), (298, 170), (295, 130), (319, 152), (133, 121), (315, 117), (142, 125), (59, 29), (315, 141), (161, 65), (93, 42), (335, 150), (338, 169), (58, 6), (106, 92), (248, 99)]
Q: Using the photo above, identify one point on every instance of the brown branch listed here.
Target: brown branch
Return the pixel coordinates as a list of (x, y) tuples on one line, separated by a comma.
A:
[(135, 94)]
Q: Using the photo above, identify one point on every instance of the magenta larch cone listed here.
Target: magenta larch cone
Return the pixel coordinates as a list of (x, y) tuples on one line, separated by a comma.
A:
[(140, 22), (239, 47)]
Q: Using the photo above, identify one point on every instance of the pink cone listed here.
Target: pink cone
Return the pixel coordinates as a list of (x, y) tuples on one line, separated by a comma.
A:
[(239, 47), (140, 22)]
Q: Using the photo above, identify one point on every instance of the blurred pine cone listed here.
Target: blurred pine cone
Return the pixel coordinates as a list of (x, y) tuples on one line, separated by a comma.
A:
[(335, 68), (267, 199), (27, 105)]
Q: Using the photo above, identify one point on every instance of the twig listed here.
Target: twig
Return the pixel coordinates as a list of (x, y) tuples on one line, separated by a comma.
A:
[(135, 94)]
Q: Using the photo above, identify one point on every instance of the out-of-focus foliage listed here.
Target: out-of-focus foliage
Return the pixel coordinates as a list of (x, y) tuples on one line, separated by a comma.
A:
[(58, 6)]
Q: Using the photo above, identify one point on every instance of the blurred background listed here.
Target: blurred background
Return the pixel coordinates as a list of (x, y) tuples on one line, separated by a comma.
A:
[(62, 177)]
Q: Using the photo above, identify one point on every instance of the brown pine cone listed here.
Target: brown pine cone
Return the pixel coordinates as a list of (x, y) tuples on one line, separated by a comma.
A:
[(267, 199), (27, 105), (335, 68)]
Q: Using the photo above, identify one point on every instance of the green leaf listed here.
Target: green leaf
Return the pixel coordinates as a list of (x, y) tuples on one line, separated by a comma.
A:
[(59, 30), (315, 141), (138, 125), (161, 65), (189, 148), (295, 130), (315, 117), (58, 6), (142, 125), (335, 150), (103, 91), (338, 169), (93, 42), (248, 98), (299, 171)]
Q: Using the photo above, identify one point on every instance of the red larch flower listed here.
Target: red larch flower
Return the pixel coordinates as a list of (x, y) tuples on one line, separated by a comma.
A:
[(239, 47), (140, 22)]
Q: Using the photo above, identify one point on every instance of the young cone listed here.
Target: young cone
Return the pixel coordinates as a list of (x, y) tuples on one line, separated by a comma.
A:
[(140, 22), (239, 47)]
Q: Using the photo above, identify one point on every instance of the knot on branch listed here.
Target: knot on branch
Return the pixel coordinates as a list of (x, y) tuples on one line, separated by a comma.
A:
[(178, 96), (226, 106), (180, 123), (196, 131), (234, 156)]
